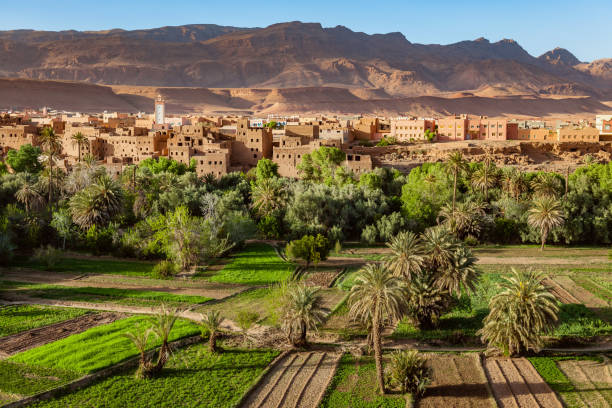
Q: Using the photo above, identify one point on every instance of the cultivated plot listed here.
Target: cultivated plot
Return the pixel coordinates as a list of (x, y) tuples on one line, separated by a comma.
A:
[(592, 381)]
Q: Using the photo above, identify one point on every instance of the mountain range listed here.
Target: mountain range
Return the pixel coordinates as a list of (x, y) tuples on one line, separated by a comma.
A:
[(300, 55)]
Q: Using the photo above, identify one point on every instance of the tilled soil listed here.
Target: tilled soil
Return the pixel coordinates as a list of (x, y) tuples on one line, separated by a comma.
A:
[(203, 288), (19, 342), (580, 293), (559, 292), (516, 384), (524, 260), (458, 381), (299, 380), (592, 379)]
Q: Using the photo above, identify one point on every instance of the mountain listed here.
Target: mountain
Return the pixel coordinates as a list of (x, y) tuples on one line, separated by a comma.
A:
[(560, 56), (296, 55)]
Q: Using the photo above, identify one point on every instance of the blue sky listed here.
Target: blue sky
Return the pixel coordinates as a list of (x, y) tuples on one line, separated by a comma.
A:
[(583, 27)]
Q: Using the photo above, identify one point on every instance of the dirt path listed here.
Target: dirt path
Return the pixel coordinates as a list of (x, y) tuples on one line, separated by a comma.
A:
[(297, 381), (580, 293), (177, 287), (516, 384), (559, 292), (528, 260), (458, 381), (19, 342), (592, 379)]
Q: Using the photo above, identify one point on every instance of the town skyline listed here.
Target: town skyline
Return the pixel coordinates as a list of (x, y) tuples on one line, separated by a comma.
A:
[(527, 28)]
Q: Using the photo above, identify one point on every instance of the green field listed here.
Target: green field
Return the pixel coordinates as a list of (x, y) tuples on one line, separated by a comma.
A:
[(191, 378), (256, 264), (98, 347), (19, 318), (132, 297), (354, 386), (22, 379), (91, 265)]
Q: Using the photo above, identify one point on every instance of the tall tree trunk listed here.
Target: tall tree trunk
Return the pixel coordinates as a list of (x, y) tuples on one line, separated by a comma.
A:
[(543, 240), (454, 190), (378, 348), (50, 174), (212, 342), (79, 152)]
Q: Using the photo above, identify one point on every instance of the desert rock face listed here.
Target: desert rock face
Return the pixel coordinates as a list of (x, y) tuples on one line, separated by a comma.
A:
[(290, 55)]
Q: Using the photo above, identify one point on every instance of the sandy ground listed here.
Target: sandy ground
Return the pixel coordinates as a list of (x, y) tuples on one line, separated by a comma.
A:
[(298, 381), (592, 379), (19, 342), (197, 288), (516, 384), (458, 381)]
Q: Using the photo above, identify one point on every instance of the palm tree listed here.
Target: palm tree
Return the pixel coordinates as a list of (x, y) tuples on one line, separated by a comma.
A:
[(162, 326), (406, 257), (80, 140), (438, 246), (267, 195), (461, 274), (97, 204), (212, 322), (484, 178), (464, 220), (547, 185), (456, 165), (431, 179), (426, 301), (377, 297), (520, 314), (29, 196), (513, 182), (545, 215), (141, 340), (302, 310), (52, 148)]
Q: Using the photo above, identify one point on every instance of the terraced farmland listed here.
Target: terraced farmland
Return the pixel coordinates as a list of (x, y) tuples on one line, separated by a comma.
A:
[(516, 384), (297, 381), (592, 381)]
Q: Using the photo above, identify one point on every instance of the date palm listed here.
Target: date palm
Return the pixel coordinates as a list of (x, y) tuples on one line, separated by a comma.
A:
[(520, 313), (461, 275), (140, 339), (455, 164), (426, 300), (267, 195), (377, 297), (464, 220), (80, 140), (162, 327), (545, 214), (301, 310), (212, 321), (484, 178), (438, 247), (406, 257), (97, 204), (513, 182), (29, 196), (547, 185), (52, 148)]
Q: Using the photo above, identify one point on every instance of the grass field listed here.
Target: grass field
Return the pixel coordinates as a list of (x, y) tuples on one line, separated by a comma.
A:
[(354, 386), (191, 378), (549, 370), (22, 379), (16, 319), (98, 347), (132, 297), (93, 265), (256, 264)]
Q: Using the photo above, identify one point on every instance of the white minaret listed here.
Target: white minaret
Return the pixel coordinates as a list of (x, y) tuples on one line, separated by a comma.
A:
[(160, 110)]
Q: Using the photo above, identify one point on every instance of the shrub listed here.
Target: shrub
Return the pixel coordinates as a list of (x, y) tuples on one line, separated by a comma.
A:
[(165, 270), (270, 227), (408, 370), (335, 234), (369, 234), (309, 249), (6, 248), (48, 256)]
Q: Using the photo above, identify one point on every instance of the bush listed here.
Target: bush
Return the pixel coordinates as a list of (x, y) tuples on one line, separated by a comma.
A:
[(165, 270), (408, 370), (100, 240), (48, 256), (270, 227), (335, 234), (369, 234), (309, 249)]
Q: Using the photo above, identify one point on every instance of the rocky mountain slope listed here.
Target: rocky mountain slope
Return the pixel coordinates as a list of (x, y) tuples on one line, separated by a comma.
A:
[(291, 55)]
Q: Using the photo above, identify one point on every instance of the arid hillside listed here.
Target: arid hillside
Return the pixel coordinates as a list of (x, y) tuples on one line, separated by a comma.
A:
[(296, 55), (73, 96)]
